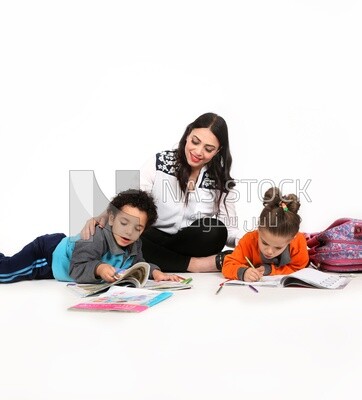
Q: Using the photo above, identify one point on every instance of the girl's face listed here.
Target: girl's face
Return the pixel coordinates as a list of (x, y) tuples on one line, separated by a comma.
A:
[(201, 146), (128, 225), (271, 245)]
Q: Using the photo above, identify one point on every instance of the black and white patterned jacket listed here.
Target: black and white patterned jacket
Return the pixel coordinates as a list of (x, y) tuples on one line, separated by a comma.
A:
[(158, 176)]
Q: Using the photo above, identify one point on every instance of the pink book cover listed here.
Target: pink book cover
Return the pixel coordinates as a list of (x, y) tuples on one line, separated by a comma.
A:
[(120, 298), (111, 307)]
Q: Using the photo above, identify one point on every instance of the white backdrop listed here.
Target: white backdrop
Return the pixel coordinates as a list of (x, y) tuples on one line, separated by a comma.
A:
[(91, 85), (102, 86)]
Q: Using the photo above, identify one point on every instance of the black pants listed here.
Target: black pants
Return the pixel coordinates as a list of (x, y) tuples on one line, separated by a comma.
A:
[(172, 253)]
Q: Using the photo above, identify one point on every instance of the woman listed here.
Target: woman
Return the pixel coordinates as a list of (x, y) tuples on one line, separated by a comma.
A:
[(191, 187)]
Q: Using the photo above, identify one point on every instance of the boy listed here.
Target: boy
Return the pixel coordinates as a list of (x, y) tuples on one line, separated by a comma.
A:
[(116, 247)]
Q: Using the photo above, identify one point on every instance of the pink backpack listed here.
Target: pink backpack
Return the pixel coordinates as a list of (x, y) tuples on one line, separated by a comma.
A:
[(338, 248)]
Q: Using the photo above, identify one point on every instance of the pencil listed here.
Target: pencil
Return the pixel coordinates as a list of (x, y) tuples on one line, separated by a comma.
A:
[(220, 287), (254, 288), (252, 266), (249, 262)]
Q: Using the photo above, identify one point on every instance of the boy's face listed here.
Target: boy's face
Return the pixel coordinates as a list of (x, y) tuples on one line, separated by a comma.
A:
[(271, 245), (128, 225)]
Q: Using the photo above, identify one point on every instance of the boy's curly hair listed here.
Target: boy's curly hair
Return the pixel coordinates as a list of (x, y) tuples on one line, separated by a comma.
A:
[(138, 199)]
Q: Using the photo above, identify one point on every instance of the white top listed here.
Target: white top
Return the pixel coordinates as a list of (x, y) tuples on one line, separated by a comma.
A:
[(158, 177)]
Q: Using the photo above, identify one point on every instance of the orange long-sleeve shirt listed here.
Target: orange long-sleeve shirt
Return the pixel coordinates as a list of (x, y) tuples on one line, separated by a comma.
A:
[(248, 246)]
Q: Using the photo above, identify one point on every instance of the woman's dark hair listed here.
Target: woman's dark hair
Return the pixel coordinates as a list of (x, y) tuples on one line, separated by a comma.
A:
[(220, 165), (280, 214), (135, 198)]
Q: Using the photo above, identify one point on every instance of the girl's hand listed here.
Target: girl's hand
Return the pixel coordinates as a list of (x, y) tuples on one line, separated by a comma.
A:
[(161, 276), (254, 274)]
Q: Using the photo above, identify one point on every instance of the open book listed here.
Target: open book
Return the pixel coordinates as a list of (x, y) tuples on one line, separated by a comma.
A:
[(122, 298), (168, 285), (135, 276), (306, 277)]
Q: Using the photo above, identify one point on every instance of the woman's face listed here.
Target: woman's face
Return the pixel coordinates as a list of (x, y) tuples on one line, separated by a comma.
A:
[(201, 146)]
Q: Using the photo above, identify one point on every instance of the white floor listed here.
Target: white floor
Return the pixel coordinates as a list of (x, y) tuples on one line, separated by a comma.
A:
[(276, 344)]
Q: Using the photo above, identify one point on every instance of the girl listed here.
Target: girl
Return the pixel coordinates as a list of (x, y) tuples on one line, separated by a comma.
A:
[(276, 247)]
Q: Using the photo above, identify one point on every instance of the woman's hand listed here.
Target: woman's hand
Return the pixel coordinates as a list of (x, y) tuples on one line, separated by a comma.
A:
[(90, 226), (253, 274), (161, 276)]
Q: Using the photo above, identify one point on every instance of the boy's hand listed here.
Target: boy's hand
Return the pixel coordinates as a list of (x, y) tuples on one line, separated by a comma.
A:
[(106, 272), (254, 274), (161, 276)]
